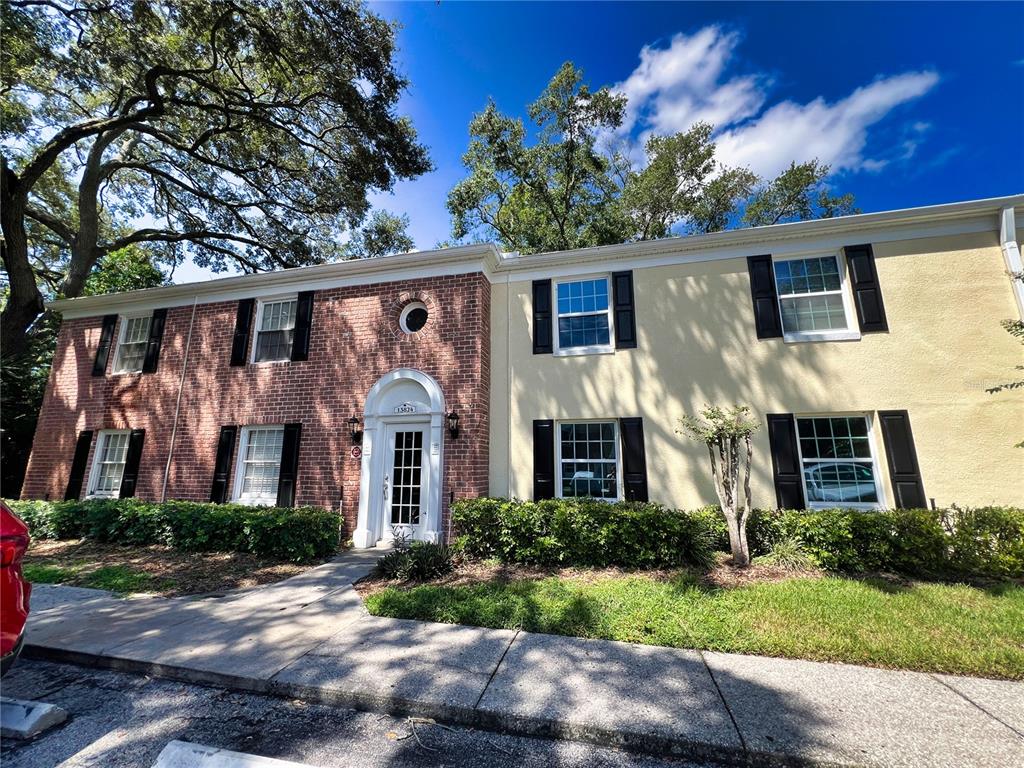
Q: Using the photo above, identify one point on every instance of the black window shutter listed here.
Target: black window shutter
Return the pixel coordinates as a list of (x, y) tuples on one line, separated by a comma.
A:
[(156, 337), (543, 459), (243, 321), (99, 365), (222, 467), (78, 465), (625, 314), (303, 326), (904, 471), (634, 459), (767, 320), (867, 295), (289, 465), (789, 489), (130, 476), (541, 317)]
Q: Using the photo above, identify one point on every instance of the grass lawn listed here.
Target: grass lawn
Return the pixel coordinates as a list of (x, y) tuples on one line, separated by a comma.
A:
[(878, 622), (151, 569)]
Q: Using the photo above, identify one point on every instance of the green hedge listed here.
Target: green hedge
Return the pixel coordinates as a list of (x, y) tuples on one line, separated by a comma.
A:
[(986, 542), (298, 534), (583, 532)]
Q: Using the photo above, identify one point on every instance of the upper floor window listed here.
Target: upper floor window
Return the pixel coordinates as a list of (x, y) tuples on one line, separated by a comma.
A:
[(275, 330), (584, 316), (108, 463), (812, 299), (131, 345), (588, 459), (259, 465), (838, 462)]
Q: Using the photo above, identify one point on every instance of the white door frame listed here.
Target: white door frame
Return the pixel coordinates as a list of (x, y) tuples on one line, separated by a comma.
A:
[(403, 396)]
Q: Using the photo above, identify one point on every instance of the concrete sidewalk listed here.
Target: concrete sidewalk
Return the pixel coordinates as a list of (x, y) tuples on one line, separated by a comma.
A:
[(310, 637)]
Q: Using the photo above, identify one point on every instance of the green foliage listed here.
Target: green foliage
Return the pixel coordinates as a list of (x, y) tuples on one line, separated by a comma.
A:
[(296, 534), (948, 628), (245, 134), (558, 183), (585, 532), (383, 234), (984, 542), (788, 553), (797, 193), (421, 561)]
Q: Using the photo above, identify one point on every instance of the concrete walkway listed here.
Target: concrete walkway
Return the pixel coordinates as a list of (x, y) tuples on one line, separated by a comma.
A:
[(310, 637)]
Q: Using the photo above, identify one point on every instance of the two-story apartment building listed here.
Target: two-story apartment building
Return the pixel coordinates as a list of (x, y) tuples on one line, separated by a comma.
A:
[(387, 388)]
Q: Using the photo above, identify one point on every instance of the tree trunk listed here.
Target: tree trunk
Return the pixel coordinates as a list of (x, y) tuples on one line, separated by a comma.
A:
[(738, 540), (24, 302)]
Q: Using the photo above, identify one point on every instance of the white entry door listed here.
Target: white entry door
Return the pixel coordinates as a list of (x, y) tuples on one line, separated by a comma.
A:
[(406, 479)]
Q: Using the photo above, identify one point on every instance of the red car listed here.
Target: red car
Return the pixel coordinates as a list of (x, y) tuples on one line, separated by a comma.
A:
[(14, 590)]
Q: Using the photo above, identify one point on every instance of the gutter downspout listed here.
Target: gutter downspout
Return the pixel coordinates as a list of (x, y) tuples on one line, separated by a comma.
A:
[(1011, 254), (177, 404), (508, 369)]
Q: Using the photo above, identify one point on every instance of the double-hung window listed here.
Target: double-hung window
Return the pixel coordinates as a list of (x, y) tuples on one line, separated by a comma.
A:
[(108, 464), (131, 346), (584, 316), (812, 299), (259, 465), (588, 459), (275, 329), (838, 462)]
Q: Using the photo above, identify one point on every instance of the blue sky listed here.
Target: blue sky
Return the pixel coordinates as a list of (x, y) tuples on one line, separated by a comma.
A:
[(912, 104)]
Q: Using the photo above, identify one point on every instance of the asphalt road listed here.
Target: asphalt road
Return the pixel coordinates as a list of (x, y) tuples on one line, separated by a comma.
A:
[(118, 720)]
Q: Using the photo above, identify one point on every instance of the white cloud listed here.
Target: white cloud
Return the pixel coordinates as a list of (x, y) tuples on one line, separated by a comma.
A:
[(674, 87)]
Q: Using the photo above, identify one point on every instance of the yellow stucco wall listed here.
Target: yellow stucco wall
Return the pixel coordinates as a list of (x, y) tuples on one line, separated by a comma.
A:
[(944, 298)]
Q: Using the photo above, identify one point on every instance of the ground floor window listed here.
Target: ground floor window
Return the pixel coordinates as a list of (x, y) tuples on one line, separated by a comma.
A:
[(839, 467), (108, 464), (259, 465), (588, 459)]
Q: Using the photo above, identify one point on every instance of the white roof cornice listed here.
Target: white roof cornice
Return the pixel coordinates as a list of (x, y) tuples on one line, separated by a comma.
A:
[(796, 237)]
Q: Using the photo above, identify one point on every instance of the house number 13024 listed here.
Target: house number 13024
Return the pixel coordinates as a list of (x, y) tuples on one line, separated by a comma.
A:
[(405, 408)]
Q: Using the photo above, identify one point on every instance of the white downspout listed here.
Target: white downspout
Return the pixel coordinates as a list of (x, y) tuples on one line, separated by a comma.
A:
[(177, 405), (1011, 254)]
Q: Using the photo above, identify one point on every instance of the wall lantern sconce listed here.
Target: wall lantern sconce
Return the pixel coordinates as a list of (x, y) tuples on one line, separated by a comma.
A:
[(453, 424), (355, 429)]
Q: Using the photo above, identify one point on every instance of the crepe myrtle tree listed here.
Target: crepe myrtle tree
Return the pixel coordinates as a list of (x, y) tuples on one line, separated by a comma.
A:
[(243, 133), (726, 432)]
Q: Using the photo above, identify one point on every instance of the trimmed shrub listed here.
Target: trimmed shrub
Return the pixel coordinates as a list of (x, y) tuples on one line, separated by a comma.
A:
[(421, 561), (984, 542), (296, 534), (585, 532)]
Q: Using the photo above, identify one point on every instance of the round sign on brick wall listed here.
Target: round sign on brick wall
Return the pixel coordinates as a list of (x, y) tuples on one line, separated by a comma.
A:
[(356, 452)]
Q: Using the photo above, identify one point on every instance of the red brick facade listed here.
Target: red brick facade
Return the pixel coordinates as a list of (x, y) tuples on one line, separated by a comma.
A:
[(355, 340)]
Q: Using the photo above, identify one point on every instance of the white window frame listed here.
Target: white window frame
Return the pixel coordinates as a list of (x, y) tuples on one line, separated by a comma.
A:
[(876, 465), (852, 330), (618, 458), (594, 349), (243, 442), (94, 472), (258, 321), (122, 330)]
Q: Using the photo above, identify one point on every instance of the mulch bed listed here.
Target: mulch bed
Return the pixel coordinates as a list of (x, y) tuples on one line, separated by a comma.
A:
[(722, 575), (176, 573)]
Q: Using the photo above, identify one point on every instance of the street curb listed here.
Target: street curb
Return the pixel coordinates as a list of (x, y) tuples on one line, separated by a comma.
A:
[(651, 744)]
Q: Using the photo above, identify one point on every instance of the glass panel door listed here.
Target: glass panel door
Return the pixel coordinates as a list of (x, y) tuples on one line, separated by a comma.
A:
[(406, 476)]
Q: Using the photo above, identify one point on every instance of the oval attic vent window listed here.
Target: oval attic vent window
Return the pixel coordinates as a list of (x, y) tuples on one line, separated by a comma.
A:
[(413, 317)]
